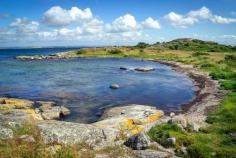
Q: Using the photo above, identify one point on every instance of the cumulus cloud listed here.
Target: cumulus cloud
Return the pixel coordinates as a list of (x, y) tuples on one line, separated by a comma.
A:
[(151, 23), (75, 24), (22, 25), (57, 16), (123, 24), (195, 16)]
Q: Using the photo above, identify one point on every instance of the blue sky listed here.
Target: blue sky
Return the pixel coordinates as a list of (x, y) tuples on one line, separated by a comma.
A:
[(113, 22)]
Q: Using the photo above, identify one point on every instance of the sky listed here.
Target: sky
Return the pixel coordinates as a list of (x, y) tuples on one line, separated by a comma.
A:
[(27, 23)]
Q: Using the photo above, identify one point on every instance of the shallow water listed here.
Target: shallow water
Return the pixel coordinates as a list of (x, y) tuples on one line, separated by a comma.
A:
[(83, 84)]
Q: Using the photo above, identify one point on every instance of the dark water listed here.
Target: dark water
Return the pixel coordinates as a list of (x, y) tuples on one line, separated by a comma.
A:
[(83, 84)]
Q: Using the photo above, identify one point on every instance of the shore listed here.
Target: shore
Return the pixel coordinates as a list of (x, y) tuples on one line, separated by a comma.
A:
[(120, 123)]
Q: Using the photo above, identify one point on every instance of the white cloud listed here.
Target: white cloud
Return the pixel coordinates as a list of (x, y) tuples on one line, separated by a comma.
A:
[(57, 16), (195, 16), (151, 23), (123, 24), (24, 26), (181, 21)]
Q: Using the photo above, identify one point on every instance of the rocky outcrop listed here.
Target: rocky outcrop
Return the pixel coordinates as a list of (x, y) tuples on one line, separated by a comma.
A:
[(70, 133), (15, 112), (125, 121), (138, 142)]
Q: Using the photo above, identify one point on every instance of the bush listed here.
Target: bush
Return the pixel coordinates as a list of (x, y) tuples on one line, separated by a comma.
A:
[(81, 51), (142, 45), (115, 51)]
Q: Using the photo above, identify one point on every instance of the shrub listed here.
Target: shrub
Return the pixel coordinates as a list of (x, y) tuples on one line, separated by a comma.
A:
[(81, 51), (142, 45), (115, 51)]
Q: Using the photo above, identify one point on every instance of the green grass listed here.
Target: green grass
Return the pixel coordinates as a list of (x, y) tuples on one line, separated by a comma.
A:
[(218, 140)]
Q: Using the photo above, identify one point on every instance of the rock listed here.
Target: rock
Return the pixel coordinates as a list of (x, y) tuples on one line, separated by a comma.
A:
[(170, 142), (2, 101), (69, 133), (138, 142), (194, 126), (53, 113), (114, 86), (5, 133), (123, 68), (184, 150), (153, 154), (144, 69), (172, 114), (179, 120), (27, 138)]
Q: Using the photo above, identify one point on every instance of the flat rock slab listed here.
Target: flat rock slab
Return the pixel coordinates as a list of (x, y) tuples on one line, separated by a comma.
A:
[(69, 133)]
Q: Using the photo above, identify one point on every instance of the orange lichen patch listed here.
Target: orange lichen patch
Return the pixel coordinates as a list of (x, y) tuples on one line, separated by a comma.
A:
[(136, 130), (154, 117), (132, 127)]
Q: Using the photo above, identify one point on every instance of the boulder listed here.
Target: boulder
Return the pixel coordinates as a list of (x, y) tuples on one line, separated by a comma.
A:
[(114, 86), (27, 138), (138, 142), (144, 69), (193, 126), (5, 133), (54, 113), (69, 133), (123, 68), (180, 120), (153, 154)]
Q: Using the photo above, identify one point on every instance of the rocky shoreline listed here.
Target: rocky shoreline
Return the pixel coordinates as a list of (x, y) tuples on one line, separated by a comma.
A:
[(118, 124)]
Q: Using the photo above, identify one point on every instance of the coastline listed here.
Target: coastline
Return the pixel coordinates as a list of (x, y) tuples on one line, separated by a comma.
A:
[(207, 93)]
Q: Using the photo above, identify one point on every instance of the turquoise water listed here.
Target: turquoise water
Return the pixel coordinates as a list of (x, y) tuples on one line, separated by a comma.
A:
[(83, 84)]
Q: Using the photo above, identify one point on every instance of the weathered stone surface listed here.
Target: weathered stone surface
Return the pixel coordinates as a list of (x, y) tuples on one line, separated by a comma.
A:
[(128, 120), (54, 113), (69, 133), (138, 142), (179, 120), (27, 138), (153, 154), (145, 69), (114, 86), (5, 133), (193, 126)]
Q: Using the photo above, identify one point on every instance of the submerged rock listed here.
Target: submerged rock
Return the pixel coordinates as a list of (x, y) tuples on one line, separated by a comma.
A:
[(123, 68), (145, 69), (114, 86), (138, 142)]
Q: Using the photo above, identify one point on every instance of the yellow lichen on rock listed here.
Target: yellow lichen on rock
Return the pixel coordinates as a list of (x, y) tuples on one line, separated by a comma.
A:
[(32, 113), (154, 117), (133, 128), (6, 103)]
